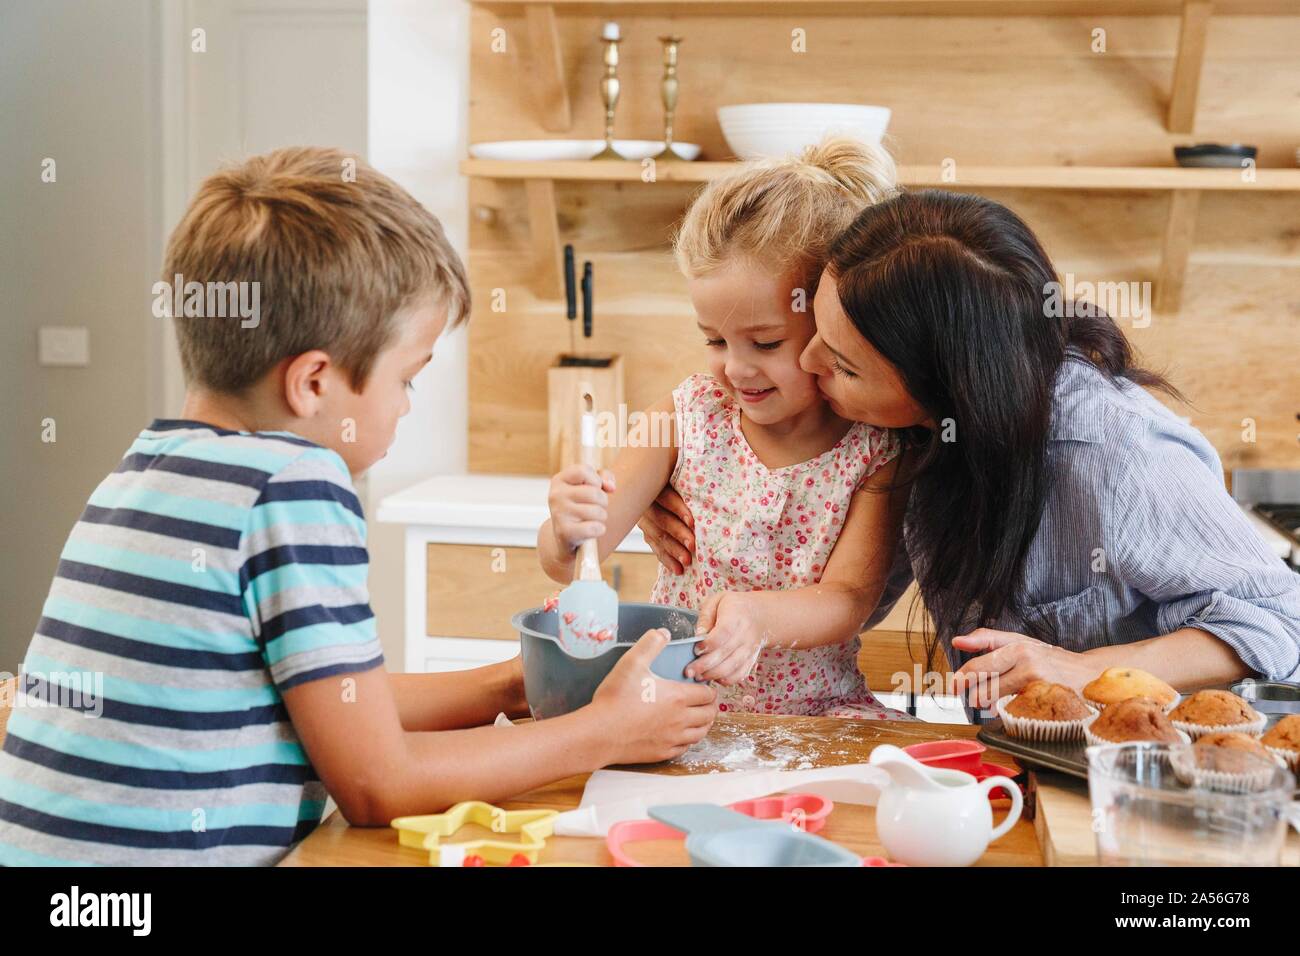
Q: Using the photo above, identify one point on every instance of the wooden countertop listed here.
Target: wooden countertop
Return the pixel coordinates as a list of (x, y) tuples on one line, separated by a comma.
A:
[(824, 741)]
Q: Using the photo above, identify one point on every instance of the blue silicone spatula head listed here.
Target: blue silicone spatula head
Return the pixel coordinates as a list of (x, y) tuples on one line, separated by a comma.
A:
[(588, 607), (588, 618)]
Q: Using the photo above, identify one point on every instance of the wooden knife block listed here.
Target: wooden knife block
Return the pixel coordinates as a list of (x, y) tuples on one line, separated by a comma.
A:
[(565, 386)]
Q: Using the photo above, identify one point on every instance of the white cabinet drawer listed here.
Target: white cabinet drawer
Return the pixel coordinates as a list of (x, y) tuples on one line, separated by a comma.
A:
[(458, 653)]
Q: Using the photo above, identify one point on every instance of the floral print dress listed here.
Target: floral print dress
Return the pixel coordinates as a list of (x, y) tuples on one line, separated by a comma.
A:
[(767, 529)]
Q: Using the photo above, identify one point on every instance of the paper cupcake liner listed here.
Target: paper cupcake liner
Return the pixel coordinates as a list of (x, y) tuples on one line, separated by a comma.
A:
[(1254, 728), (1290, 757), (1094, 741), (1038, 730), (1184, 765)]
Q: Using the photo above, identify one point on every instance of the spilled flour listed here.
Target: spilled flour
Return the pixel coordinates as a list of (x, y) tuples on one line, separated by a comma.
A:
[(730, 748)]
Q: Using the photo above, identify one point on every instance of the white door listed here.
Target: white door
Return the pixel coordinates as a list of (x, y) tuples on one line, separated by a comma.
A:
[(246, 76)]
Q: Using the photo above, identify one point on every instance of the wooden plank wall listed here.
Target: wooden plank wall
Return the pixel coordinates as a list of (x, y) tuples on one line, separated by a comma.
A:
[(990, 90)]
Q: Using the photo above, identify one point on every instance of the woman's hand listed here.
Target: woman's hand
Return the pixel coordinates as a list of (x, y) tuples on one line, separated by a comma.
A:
[(734, 638), (669, 531), (1013, 660), (578, 499)]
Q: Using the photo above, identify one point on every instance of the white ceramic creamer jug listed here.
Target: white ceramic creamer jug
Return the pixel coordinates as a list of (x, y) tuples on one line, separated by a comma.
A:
[(929, 816)]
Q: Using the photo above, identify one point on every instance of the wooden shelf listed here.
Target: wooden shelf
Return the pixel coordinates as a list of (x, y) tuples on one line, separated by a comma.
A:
[(1184, 186), (1041, 8), (967, 177)]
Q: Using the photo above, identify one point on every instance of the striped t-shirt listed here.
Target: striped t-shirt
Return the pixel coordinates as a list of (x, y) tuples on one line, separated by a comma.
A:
[(210, 572)]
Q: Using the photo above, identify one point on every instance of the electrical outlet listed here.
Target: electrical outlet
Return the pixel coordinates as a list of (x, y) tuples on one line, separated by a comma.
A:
[(64, 345)]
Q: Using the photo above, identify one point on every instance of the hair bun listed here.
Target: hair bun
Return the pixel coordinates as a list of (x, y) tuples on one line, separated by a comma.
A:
[(864, 170)]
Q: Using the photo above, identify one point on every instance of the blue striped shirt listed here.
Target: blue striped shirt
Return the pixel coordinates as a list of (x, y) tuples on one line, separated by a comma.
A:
[(210, 572)]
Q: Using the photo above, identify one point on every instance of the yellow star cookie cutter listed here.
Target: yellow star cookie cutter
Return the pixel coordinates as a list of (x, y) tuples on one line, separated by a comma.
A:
[(426, 833)]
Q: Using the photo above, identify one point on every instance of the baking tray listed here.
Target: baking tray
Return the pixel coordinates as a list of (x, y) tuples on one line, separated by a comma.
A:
[(1063, 757)]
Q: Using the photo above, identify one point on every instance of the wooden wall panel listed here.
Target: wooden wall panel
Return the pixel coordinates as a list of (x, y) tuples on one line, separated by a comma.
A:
[(990, 90), (980, 89)]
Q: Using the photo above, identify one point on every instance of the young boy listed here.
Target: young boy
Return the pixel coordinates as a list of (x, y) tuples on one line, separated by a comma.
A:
[(213, 592)]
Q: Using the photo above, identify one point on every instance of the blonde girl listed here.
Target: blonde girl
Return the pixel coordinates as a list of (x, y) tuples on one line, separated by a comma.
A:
[(794, 523)]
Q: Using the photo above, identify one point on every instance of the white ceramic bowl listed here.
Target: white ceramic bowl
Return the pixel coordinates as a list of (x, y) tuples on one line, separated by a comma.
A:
[(775, 130), (556, 149)]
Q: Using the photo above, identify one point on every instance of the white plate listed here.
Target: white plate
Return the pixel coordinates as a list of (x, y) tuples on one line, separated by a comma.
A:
[(534, 150)]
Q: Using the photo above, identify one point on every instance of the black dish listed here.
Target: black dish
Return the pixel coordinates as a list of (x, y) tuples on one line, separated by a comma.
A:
[(1214, 155)]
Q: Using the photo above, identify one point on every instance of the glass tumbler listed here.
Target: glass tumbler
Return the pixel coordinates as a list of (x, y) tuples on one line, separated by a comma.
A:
[(1156, 805)]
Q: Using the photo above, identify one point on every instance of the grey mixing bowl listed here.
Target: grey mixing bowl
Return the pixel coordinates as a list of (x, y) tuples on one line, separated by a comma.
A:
[(556, 683)]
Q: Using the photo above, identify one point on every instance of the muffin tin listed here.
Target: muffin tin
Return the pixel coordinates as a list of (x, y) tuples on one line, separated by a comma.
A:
[(1274, 699), (1063, 756)]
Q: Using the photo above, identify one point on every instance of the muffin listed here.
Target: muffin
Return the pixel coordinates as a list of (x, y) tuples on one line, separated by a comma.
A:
[(1044, 711), (1120, 683), (1283, 740), (1229, 761), (1134, 719), (1210, 711), (1234, 741)]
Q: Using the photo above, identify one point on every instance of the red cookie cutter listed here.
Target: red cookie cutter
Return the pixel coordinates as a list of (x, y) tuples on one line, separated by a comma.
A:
[(807, 810)]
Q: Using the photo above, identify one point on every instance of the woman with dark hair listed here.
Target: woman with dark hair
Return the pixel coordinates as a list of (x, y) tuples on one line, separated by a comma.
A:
[(1060, 519)]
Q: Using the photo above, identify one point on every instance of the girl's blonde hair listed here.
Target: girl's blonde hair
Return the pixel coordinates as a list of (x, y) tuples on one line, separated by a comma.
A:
[(784, 213)]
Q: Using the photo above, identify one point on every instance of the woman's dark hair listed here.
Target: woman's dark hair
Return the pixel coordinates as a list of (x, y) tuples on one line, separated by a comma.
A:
[(956, 292)]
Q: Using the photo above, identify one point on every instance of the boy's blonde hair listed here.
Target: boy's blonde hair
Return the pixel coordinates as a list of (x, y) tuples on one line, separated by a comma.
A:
[(337, 249), (784, 213)]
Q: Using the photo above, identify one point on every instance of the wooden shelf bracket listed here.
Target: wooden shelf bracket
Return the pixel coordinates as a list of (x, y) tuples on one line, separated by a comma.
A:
[(545, 63), (1180, 230), (1187, 68), (544, 227)]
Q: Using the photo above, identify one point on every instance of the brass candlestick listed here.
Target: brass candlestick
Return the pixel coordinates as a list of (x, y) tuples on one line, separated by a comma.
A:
[(668, 89), (609, 89)]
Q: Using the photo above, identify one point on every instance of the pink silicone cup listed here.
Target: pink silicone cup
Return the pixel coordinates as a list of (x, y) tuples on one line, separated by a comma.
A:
[(961, 755), (952, 754), (809, 808)]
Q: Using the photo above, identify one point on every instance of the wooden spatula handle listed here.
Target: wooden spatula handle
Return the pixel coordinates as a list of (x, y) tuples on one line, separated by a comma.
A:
[(589, 551), (588, 561)]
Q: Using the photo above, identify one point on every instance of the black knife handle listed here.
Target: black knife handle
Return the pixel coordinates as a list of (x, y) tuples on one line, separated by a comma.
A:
[(570, 286), (586, 300)]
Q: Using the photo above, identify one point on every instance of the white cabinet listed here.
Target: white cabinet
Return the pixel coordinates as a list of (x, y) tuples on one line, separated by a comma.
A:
[(471, 564)]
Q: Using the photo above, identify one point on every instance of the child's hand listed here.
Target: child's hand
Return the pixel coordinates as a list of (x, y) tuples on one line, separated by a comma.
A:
[(734, 638), (578, 498), (652, 719)]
